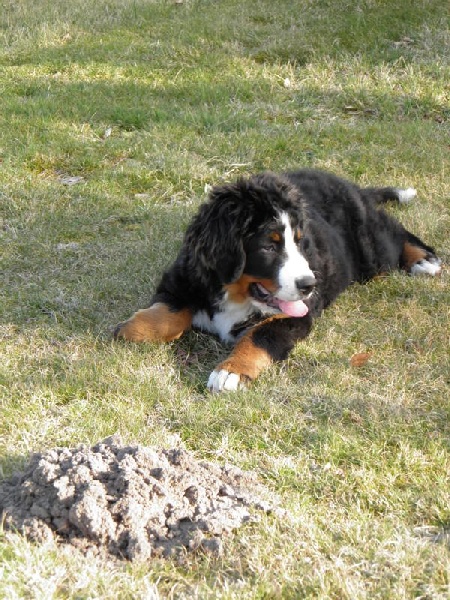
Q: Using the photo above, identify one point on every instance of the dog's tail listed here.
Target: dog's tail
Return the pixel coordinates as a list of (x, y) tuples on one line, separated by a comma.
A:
[(383, 195)]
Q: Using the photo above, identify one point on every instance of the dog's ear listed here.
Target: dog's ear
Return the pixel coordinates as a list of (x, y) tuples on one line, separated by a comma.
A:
[(216, 235)]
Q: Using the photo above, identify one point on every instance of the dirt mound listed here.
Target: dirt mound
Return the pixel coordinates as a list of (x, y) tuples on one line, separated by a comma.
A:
[(132, 502)]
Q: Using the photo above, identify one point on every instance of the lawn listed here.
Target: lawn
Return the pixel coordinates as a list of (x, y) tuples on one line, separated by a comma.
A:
[(116, 116)]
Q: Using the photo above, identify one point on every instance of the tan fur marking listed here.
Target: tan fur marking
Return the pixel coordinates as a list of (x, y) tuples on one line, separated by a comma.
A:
[(275, 237), (297, 234), (155, 324), (246, 359), (412, 254), (238, 291)]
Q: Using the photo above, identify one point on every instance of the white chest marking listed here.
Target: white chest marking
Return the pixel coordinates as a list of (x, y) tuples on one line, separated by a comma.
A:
[(295, 266), (223, 321), (227, 317)]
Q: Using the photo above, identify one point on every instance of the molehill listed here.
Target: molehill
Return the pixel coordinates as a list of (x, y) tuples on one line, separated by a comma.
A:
[(132, 502)]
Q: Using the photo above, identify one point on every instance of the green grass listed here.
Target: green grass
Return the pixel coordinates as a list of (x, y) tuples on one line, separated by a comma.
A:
[(148, 102)]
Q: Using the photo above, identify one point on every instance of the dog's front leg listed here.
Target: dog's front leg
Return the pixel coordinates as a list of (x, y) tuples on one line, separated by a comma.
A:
[(159, 323), (270, 341)]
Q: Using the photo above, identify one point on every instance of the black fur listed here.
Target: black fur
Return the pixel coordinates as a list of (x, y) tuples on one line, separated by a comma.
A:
[(345, 237)]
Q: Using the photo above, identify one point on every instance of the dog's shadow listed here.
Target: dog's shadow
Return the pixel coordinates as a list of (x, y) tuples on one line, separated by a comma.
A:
[(195, 355)]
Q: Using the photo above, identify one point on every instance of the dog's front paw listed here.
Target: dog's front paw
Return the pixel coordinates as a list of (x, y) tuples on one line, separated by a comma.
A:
[(226, 381), (242, 367), (133, 330), (159, 323)]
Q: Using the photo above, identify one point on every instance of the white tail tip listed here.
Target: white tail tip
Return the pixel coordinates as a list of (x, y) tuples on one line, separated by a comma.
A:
[(407, 195)]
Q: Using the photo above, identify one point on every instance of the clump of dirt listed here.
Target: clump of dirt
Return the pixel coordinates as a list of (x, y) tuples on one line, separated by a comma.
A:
[(131, 502)]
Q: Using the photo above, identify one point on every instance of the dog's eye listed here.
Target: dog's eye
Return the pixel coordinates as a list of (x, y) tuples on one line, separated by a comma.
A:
[(270, 248)]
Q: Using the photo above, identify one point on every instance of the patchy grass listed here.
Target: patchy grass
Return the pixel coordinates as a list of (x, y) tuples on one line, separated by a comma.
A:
[(115, 116)]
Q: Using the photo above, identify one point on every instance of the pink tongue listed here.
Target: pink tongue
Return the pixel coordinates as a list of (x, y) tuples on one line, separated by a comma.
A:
[(293, 309)]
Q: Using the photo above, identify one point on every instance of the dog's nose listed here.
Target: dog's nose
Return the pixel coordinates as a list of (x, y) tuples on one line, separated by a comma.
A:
[(306, 284)]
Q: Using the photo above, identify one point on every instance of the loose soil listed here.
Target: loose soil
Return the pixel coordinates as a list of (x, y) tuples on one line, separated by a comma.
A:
[(132, 502)]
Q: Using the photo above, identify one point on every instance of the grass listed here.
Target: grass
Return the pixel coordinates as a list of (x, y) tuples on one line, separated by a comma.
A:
[(146, 103)]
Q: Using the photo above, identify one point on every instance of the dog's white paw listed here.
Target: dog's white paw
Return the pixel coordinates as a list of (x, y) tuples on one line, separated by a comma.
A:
[(429, 266), (225, 381)]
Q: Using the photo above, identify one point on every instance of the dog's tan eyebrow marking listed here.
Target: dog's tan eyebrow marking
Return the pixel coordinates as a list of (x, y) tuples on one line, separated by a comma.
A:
[(297, 234), (275, 236)]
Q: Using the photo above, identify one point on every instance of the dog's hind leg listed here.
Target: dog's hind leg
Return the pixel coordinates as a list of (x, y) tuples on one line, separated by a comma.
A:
[(417, 258), (159, 323)]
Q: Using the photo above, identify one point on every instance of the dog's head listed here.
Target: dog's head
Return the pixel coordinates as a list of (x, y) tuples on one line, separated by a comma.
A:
[(251, 236)]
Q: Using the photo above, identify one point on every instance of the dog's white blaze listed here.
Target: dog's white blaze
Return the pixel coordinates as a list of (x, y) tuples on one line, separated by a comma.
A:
[(295, 267)]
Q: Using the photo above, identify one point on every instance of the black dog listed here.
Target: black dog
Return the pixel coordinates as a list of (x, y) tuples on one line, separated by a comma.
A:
[(265, 255)]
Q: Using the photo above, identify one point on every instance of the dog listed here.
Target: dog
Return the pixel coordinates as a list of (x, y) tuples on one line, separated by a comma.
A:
[(265, 255)]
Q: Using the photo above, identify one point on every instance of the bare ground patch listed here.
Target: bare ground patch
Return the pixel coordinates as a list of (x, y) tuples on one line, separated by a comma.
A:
[(131, 502)]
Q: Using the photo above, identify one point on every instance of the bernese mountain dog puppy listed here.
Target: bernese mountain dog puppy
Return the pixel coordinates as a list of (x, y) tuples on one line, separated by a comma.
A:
[(264, 256)]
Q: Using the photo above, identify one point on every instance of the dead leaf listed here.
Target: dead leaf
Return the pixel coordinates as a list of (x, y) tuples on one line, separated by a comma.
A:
[(360, 359)]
